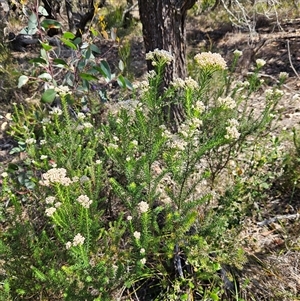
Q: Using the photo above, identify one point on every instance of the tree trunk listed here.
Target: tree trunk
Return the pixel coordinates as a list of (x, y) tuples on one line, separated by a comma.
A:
[(164, 28)]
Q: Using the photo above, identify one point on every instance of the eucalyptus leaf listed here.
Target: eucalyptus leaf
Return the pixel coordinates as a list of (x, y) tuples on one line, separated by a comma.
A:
[(42, 11), (88, 76), (23, 79), (69, 35), (38, 60), (47, 47), (121, 65), (69, 43), (32, 23), (45, 75), (95, 48), (48, 95), (121, 81), (49, 23)]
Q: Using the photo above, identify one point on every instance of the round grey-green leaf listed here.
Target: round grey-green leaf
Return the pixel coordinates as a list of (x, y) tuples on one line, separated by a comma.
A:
[(48, 95)]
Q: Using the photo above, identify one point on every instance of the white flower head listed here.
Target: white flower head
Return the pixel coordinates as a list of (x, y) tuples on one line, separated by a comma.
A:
[(278, 93), (68, 245), (159, 55), (226, 102), (151, 74), (50, 211), (75, 179), (137, 234), (87, 125), (56, 111), (80, 115), (178, 83), (4, 175), (238, 53), (199, 106), (56, 175), (191, 83), (46, 120), (50, 199), (283, 75), (143, 261), (210, 61), (57, 204), (143, 207), (142, 86), (134, 142), (231, 129), (78, 240), (62, 89), (84, 201), (260, 63), (30, 141)]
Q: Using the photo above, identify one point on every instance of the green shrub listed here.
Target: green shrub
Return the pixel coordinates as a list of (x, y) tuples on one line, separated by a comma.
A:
[(128, 206)]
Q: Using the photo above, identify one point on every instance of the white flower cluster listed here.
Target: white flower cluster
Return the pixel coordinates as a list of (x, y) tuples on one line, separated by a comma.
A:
[(226, 102), (84, 125), (208, 60), (151, 74), (283, 75), (142, 86), (143, 261), (56, 111), (177, 142), (84, 201), (78, 240), (199, 106), (62, 89), (50, 211), (137, 235), (166, 181), (231, 129), (50, 201), (4, 175), (238, 53), (187, 130), (185, 83), (30, 141), (143, 207), (129, 105), (260, 63), (190, 127), (55, 175), (159, 55), (276, 93)]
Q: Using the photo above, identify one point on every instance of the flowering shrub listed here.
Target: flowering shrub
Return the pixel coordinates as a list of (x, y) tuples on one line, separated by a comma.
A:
[(129, 204)]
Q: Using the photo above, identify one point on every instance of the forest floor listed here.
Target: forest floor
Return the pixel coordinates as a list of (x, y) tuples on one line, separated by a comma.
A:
[(273, 250)]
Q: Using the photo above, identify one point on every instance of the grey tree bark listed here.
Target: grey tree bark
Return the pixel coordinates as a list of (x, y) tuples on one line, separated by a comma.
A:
[(164, 28)]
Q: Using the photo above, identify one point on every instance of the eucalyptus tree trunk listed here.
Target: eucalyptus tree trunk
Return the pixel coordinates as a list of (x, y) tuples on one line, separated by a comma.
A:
[(164, 28)]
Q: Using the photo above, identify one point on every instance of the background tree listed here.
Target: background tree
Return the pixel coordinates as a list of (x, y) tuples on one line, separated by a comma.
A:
[(164, 28)]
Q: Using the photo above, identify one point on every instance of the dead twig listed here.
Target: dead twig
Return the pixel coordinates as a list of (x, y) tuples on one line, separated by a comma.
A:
[(277, 218), (290, 60)]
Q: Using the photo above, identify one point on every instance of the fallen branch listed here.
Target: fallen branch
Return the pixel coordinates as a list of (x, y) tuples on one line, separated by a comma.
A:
[(290, 60), (277, 218)]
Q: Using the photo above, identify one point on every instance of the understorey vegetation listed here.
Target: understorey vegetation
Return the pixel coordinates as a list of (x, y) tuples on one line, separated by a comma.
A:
[(111, 201)]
